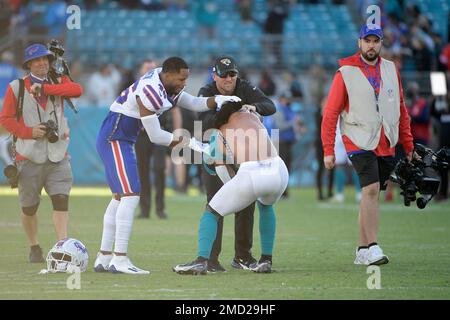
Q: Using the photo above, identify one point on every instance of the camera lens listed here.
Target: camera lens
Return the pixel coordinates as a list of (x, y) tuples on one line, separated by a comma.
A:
[(52, 131), (52, 136)]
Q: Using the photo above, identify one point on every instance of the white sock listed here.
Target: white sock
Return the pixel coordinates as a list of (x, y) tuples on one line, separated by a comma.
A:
[(124, 222), (109, 225)]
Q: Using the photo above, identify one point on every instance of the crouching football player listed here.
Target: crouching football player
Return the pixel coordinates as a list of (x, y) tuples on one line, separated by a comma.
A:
[(262, 176)]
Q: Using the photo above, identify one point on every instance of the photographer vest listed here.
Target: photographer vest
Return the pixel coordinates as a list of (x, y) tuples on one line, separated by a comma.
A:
[(39, 150), (362, 124)]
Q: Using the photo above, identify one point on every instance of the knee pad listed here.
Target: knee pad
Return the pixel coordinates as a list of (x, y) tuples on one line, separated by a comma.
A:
[(60, 202), (214, 212), (30, 211)]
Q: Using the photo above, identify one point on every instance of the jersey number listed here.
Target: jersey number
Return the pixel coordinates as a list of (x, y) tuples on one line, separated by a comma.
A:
[(124, 95)]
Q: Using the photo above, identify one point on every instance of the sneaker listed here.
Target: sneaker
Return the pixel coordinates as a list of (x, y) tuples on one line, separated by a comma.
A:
[(338, 197), (162, 215), (262, 267), (361, 256), (376, 257), (245, 264), (36, 255), (102, 262), (122, 264), (198, 266), (215, 266)]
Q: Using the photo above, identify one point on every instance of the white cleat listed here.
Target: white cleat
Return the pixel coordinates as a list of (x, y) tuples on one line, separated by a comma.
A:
[(361, 256), (376, 256), (121, 264), (102, 262)]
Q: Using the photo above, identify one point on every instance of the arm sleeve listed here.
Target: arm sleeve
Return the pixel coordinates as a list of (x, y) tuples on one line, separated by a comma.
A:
[(8, 118), (254, 96), (335, 104), (404, 131), (190, 102), (154, 131), (66, 88)]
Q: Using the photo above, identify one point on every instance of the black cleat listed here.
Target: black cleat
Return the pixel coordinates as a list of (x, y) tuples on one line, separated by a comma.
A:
[(263, 267), (245, 264), (162, 215), (198, 266), (215, 266), (36, 255)]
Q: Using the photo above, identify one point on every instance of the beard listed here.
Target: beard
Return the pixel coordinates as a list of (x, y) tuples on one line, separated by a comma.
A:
[(372, 57), (171, 91)]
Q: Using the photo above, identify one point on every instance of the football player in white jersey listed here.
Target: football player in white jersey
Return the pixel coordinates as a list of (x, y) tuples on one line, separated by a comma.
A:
[(139, 105)]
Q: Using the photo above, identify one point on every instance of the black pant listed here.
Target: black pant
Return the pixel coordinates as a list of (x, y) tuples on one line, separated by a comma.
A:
[(320, 173), (145, 151), (243, 222)]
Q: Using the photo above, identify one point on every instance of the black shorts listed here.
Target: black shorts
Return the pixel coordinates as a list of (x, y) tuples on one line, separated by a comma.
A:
[(372, 169)]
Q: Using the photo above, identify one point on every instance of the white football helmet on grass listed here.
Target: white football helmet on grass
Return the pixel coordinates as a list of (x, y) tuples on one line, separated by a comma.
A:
[(68, 255)]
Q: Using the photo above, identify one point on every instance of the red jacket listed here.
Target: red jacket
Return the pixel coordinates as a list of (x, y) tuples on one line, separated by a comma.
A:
[(8, 119), (338, 101)]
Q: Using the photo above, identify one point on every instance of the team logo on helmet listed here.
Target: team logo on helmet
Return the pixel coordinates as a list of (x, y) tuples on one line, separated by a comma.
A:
[(80, 247), (225, 61), (68, 255)]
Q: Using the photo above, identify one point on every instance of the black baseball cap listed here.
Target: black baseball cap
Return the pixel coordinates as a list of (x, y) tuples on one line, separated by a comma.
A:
[(225, 64)]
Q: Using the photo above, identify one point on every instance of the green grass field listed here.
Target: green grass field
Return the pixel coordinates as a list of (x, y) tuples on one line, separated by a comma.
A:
[(313, 255)]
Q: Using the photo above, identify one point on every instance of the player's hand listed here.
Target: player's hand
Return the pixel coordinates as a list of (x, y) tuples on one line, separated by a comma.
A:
[(39, 131), (249, 107), (36, 89), (198, 146), (329, 162), (220, 100)]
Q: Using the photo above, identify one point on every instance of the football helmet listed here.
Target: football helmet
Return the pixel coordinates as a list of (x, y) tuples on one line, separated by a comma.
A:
[(68, 255)]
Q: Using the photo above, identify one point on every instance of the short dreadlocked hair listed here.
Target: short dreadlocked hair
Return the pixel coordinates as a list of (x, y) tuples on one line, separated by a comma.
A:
[(222, 116)]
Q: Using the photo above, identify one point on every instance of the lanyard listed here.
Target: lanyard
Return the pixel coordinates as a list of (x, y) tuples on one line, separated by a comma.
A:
[(375, 81)]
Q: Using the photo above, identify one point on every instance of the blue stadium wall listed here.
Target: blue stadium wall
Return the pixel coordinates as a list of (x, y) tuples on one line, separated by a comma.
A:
[(88, 168)]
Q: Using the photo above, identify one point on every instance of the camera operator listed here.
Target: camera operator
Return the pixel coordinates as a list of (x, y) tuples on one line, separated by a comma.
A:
[(33, 112), (366, 95)]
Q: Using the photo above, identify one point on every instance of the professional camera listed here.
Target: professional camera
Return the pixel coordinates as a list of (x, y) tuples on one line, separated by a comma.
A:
[(11, 174), (420, 174), (51, 129), (59, 66)]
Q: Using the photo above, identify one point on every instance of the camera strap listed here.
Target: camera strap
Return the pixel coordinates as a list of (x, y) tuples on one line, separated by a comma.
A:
[(19, 111), (19, 103)]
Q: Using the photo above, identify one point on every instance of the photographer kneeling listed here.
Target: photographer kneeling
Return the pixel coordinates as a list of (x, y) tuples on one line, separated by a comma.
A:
[(33, 112)]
